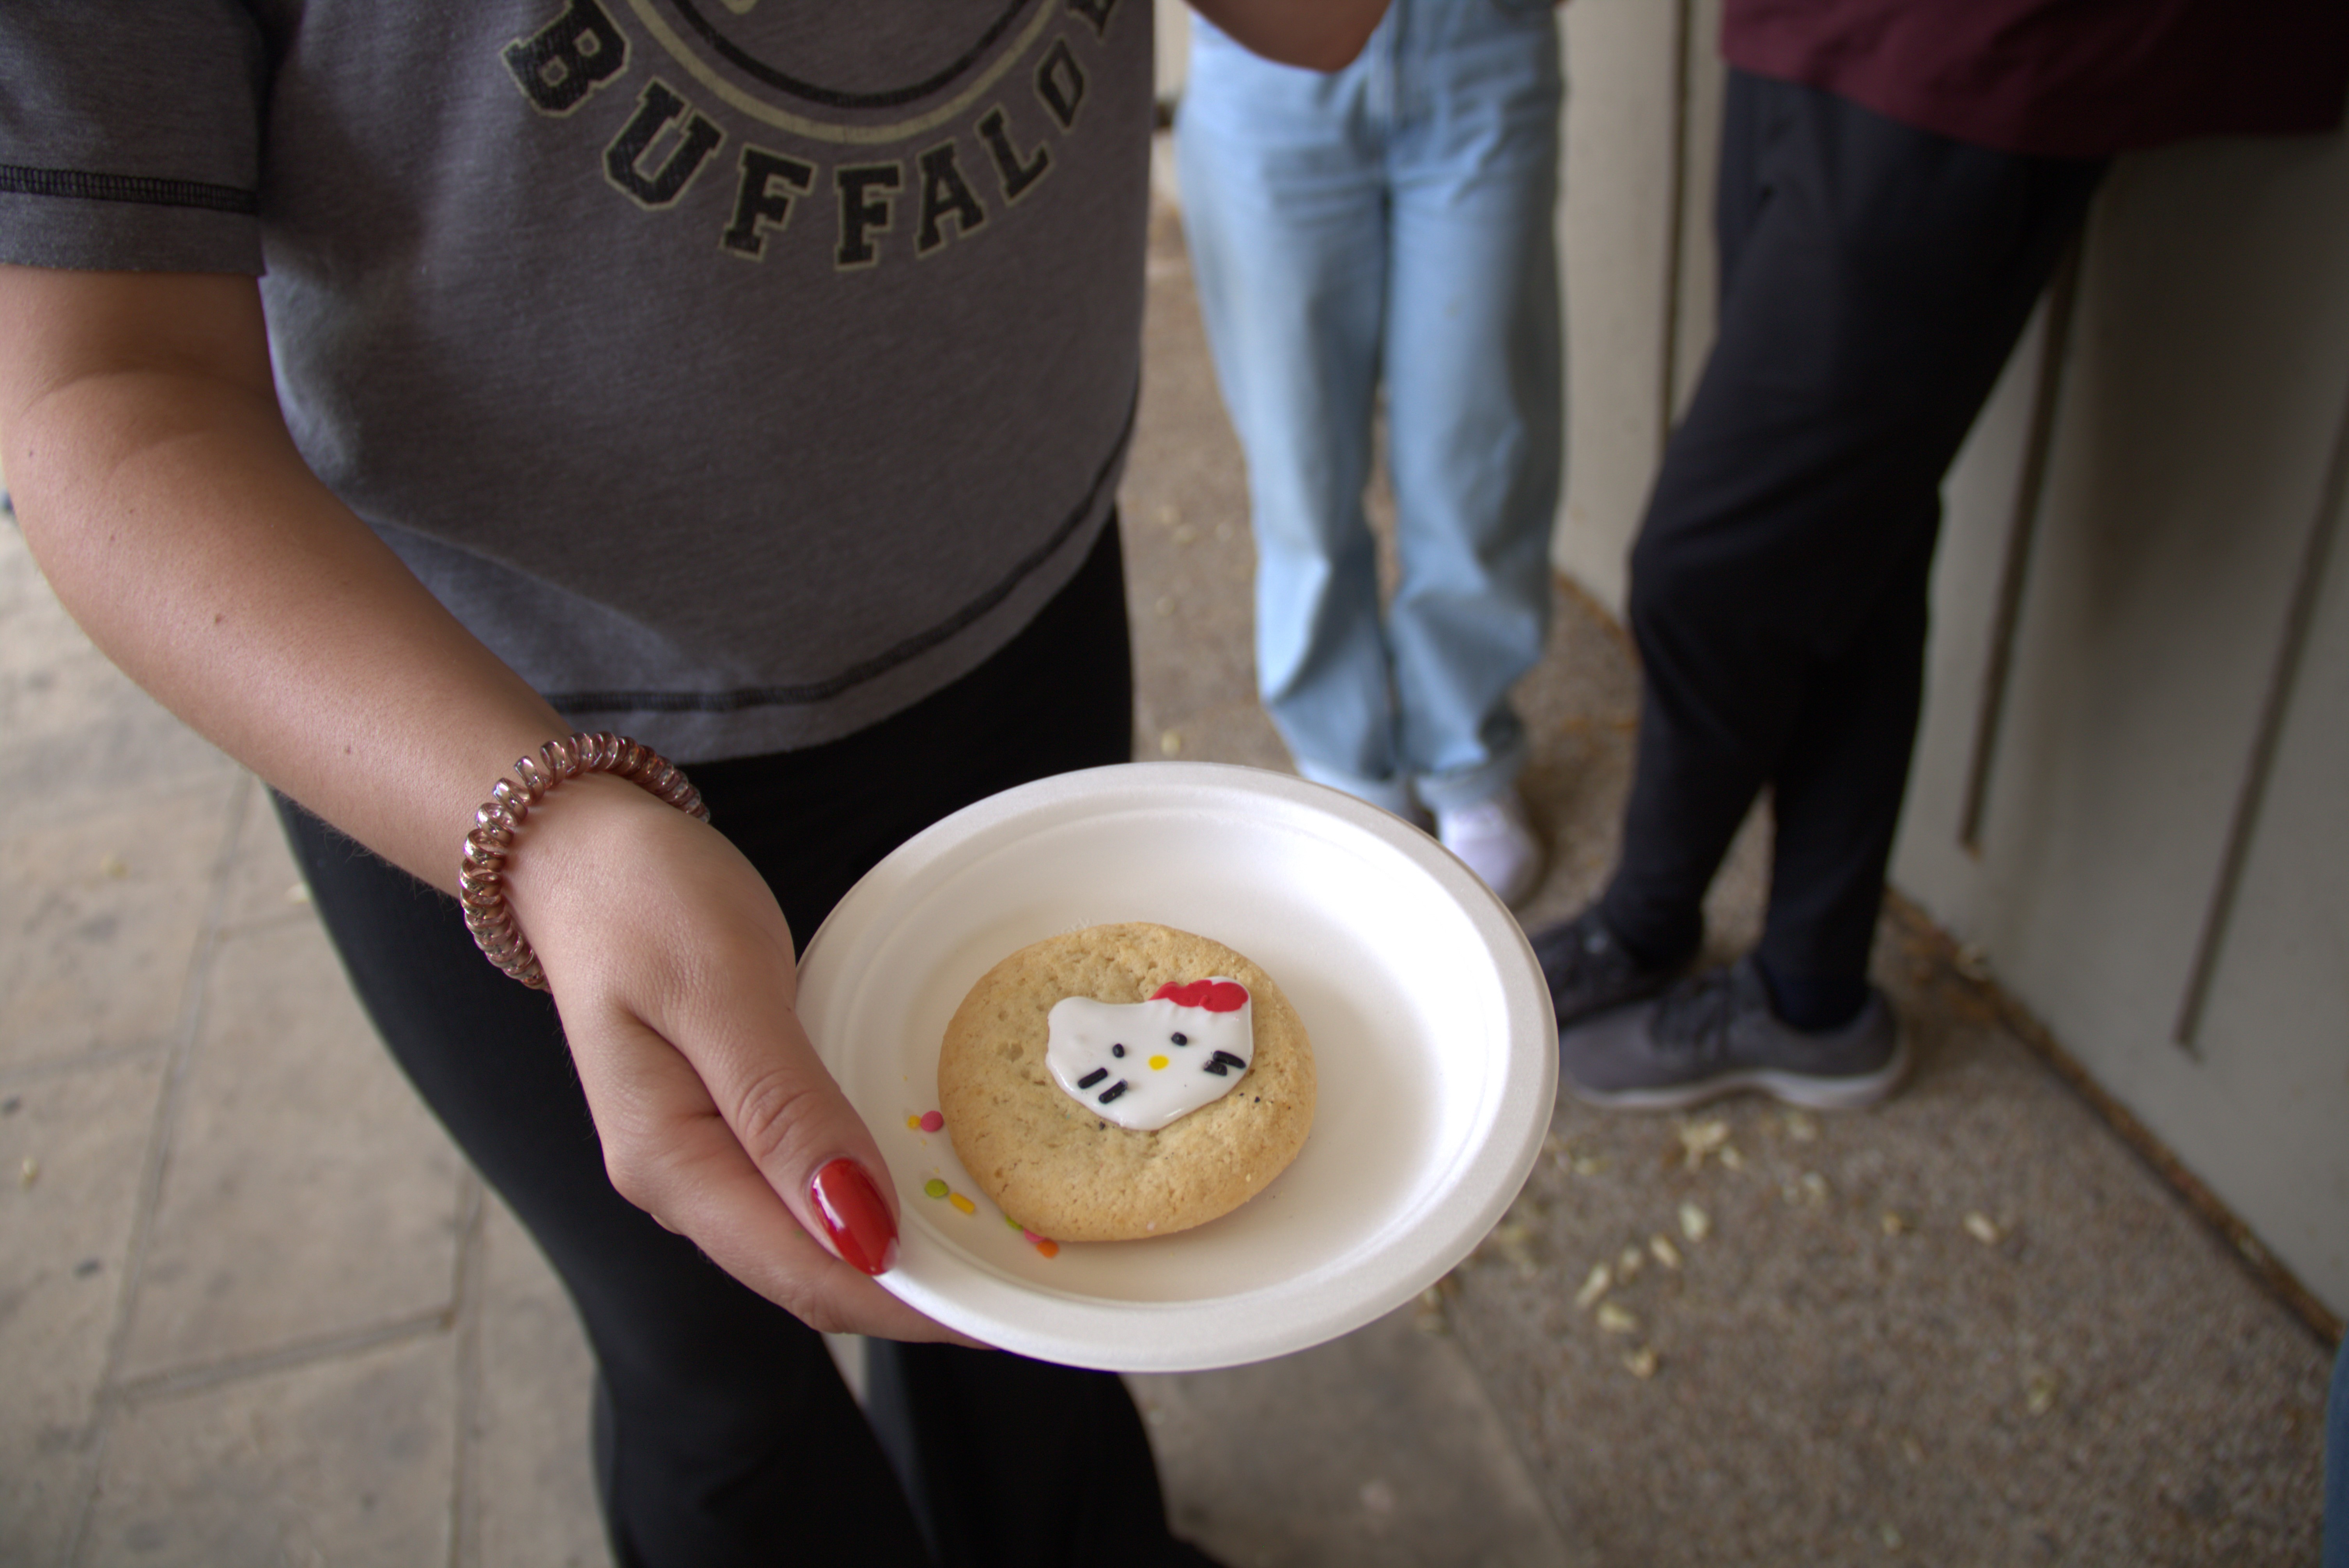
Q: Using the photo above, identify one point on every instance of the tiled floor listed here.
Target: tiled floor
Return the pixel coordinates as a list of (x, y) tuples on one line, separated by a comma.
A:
[(254, 1310)]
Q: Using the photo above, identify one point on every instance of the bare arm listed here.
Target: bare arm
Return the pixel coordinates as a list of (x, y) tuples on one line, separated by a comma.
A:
[(158, 486), (1321, 35), (164, 498)]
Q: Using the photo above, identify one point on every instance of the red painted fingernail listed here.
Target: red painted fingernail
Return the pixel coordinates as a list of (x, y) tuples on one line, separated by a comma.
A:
[(855, 1217)]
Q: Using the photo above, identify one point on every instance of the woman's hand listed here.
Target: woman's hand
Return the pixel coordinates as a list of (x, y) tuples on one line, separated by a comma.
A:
[(673, 969)]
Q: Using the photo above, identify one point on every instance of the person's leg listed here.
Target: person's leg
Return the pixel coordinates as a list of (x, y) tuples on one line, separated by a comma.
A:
[(1650, 918), (1843, 765), (1836, 799), (1597, 961), (1016, 1461), (1473, 374), (724, 1434), (1778, 583), (1283, 208)]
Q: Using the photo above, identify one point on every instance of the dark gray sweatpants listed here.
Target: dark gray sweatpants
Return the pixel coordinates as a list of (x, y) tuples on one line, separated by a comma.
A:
[(1873, 280)]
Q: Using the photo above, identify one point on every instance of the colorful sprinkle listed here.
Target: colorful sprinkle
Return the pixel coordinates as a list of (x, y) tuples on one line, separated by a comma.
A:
[(1158, 1064), (932, 1122), (1050, 1249), (914, 1123), (935, 1188), (962, 1204)]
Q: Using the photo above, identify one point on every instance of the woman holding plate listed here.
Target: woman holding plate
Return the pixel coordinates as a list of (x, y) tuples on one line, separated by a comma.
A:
[(754, 389)]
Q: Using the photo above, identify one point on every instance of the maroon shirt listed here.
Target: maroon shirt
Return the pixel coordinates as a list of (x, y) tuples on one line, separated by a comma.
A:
[(2070, 78)]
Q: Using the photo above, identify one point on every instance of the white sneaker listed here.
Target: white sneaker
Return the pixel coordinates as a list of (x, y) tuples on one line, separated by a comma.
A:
[(1494, 840)]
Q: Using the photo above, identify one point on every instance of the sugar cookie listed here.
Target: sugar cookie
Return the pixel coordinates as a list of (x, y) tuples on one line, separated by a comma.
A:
[(1215, 1081)]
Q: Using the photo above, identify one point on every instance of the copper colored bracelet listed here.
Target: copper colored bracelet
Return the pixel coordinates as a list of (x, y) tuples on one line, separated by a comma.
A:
[(480, 879)]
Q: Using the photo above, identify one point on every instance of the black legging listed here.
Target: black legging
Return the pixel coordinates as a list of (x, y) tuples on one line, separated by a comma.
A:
[(1873, 279), (723, 1434)]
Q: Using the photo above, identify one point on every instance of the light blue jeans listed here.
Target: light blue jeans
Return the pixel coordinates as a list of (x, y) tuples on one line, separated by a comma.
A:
[(1391, 224)]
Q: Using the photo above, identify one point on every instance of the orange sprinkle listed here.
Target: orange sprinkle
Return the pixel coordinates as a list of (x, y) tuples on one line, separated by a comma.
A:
[(1050, 1249)]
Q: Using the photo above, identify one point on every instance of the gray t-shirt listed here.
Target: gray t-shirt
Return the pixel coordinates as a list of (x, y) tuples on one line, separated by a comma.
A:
[(740, 371)]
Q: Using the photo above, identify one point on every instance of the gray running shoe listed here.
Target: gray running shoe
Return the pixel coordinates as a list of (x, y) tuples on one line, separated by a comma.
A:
[(1590, 971), (1714, 1034)]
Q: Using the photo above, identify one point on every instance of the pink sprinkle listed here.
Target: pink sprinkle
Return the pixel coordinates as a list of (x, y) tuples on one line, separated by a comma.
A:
[(932, 1122), (1031, 1235)]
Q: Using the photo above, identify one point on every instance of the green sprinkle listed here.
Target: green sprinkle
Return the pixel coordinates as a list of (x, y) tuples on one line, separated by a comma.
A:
[(935, 1187), (1010, 1222)]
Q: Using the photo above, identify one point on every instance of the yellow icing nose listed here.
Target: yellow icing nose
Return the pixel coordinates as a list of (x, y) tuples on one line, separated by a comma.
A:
[(1156, 1063)]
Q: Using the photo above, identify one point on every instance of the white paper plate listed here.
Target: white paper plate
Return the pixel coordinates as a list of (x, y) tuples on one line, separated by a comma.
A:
[(1433, 1044)]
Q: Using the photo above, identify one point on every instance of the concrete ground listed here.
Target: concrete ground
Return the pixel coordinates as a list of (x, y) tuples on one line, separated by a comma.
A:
[(254, 1310)]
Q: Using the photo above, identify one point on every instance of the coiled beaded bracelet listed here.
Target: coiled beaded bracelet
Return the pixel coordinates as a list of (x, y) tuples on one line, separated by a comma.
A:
[(481, 879)]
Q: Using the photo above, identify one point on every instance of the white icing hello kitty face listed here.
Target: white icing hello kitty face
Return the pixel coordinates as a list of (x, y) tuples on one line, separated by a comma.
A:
[(1142, 1065)]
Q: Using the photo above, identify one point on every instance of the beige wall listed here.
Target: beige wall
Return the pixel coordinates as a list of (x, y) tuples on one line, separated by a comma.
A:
[(2143, 825), (1172, 21)]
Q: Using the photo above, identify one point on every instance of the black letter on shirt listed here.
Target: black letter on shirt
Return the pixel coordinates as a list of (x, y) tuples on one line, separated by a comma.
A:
[(564, 61), (1060, 83), (861, 213), (655, 106), (758, 204), (1096, 12), (1016, 176), (945, 195)]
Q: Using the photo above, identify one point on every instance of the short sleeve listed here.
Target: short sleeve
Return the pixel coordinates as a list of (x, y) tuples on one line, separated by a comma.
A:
[(130, 135)]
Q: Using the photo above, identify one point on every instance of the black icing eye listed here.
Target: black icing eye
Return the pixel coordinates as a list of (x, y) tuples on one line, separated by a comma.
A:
[(1182, 1040), (1117, 1050)]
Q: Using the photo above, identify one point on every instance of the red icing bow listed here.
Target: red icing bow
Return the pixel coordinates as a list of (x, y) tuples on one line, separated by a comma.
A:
[(1215, 996)]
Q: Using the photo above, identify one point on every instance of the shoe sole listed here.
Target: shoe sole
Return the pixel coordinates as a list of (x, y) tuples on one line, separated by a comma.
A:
[(1854, 1093)]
